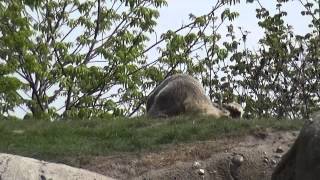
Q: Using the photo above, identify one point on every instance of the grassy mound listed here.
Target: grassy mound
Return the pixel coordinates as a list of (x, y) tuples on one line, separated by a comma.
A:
[(47, 140)]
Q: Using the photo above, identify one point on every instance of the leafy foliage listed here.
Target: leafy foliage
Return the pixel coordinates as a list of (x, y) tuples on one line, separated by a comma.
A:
[(282, 77), (76, 52), (89, 59), (279, 79)]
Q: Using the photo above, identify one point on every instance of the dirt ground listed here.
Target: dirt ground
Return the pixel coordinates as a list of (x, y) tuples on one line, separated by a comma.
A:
[(243, 158)]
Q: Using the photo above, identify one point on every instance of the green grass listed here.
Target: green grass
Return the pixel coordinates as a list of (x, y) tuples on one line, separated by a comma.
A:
[(105, 137)]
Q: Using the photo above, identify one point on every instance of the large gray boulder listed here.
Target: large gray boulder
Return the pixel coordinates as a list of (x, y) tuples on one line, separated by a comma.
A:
[(302, 161), (13, 167)]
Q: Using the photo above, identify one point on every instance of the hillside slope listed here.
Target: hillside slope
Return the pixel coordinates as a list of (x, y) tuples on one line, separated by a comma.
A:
[(220, 159), (140, 148)]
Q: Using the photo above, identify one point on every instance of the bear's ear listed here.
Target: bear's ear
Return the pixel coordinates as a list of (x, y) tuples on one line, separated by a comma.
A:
[(235, 109)]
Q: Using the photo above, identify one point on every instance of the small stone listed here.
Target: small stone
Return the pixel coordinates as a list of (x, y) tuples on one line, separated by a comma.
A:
[(42, 177), (273, 162), (278, 156), (196, 165), (237, 159), (264, 153), (201, 172), (266, 160), (279, 150)]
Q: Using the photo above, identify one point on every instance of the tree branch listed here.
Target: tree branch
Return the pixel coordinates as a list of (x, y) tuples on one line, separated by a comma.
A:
[(96, 31)]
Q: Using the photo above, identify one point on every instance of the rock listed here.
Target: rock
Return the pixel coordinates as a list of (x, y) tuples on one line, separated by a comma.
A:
[(294, 133), (266, 160), (273, 162), (23, 168), (235, 166), (279, 150), (201, 172), (237, 159), (302, 161), (196, 165), (278, 156)]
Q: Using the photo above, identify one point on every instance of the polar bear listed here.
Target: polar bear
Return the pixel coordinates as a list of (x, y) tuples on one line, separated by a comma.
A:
[(183, 94), (235, 110)]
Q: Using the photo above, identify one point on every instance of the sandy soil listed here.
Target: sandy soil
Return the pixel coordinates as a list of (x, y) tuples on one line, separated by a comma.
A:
[(244, 158)]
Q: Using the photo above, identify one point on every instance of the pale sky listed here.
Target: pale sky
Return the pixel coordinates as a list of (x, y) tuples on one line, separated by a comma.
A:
[(177, 11)]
